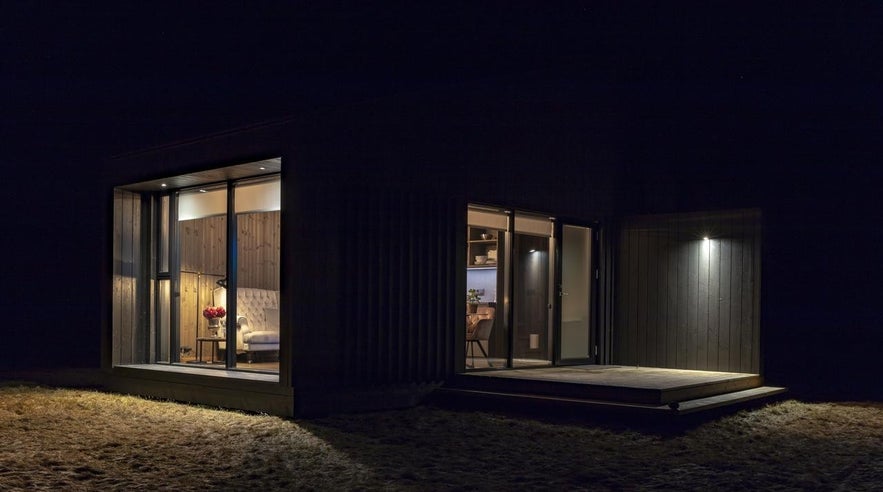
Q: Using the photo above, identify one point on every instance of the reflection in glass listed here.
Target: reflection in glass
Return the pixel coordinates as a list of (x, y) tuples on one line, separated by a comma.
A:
[(576, 282)]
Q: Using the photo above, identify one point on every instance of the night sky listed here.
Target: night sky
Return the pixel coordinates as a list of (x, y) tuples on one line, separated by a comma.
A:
[(741, 104)]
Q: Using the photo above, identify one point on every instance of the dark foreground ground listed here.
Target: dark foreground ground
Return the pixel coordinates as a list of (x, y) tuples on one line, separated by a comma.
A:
[(68, 439)]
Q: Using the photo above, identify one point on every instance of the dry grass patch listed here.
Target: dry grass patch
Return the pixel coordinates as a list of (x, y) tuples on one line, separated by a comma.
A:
[(60, 439), (84, 440)]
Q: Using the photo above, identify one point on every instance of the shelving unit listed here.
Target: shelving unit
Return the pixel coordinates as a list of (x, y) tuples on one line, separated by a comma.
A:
[(479, 246)]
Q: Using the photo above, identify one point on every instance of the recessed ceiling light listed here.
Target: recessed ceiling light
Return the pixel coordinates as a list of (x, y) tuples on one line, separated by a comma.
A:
[(262, 168), (202, 191), (163, 185), (705, 238)]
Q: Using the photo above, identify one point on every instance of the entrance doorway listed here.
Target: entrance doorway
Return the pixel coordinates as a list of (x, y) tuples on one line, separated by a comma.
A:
[(534, 277), (576, 294)]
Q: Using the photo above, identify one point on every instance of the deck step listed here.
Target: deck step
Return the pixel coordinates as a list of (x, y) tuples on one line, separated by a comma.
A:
[(504, 400), (700, 404)]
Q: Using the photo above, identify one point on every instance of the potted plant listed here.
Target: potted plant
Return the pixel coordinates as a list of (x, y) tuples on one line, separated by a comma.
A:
[(472, 300)]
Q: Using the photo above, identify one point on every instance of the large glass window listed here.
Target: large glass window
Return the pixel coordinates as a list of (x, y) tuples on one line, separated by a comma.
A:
[(191, 260), (258, 226), (202, 260)]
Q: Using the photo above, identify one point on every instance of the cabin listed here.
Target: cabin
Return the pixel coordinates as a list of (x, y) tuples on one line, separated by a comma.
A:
[(423, 246)]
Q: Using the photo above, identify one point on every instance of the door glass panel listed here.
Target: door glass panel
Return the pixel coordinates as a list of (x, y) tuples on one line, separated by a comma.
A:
[(487, 337), (576, 284), (532, 260)]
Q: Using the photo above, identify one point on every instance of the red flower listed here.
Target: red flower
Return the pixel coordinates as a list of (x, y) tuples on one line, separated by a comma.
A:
[(211, 312)]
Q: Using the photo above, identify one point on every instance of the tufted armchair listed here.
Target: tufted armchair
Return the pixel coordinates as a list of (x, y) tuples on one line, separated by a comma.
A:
[(258, 321)]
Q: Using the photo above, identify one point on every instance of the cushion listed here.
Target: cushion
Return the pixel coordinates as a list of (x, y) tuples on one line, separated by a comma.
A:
[(261, 337), (271, 319)]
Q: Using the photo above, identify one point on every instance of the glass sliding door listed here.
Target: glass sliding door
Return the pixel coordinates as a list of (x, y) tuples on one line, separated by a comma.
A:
[(575, 294), (532, 260), (487, 281), (536, 278)]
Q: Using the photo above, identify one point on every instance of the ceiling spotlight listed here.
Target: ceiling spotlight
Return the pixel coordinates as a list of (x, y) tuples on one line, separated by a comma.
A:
[(705, 238), (163, 185), (262, 168), (202, 191)]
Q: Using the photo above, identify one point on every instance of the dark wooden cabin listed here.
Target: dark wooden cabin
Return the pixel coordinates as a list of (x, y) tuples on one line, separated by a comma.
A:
[(383, 213)]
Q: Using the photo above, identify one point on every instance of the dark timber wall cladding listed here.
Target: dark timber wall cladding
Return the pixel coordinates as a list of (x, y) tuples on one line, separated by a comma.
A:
[(399, 271), (686, 302)]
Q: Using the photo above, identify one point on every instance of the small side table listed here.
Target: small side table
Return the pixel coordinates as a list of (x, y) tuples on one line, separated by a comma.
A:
[(214, 348)]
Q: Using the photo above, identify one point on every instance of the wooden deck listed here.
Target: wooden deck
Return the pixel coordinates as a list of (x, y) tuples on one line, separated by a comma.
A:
[(635, 388)]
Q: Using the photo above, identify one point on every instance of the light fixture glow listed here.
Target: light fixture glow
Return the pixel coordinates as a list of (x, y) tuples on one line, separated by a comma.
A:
[(262, 168), (202, 191), (163, 185), (705, 238), (532, 251)]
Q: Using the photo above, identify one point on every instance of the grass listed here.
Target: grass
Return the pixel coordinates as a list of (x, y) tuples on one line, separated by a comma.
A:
[(68, 439)]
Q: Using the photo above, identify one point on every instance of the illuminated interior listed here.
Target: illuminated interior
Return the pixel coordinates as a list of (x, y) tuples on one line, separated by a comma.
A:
[(186, 288)]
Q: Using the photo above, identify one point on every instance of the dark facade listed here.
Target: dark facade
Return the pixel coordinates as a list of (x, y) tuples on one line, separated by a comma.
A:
[(374, 201), (688, 291)]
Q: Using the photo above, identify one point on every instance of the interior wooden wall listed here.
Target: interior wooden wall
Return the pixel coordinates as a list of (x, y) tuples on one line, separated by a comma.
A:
[(259, 249), (683, 302), (203, 245), (204, 250)]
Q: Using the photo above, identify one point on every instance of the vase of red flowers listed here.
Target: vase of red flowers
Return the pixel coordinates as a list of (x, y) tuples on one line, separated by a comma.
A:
[(214, 315)]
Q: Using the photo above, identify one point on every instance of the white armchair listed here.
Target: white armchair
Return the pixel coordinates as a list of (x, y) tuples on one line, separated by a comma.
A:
[(258, 321)]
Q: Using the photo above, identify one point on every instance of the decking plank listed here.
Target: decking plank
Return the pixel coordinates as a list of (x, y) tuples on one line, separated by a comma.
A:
[(640, 385)]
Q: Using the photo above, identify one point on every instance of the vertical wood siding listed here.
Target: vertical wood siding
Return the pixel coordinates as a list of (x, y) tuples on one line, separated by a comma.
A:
[(683, 302), (606, 300), (401, 306), (127, 257)]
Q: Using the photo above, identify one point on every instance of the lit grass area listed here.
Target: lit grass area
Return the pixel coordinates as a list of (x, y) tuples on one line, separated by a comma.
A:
[(67, 439)]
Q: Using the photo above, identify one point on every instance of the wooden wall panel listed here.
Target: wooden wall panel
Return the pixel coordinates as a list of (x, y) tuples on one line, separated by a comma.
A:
[(203, 262), (683, 302), (204, 248), (126, 260), (259, 248), (203, 245)]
